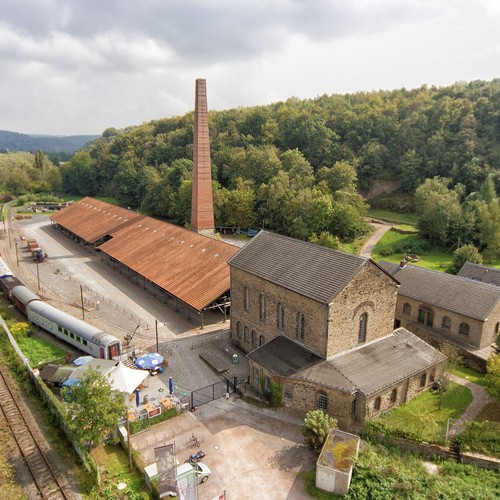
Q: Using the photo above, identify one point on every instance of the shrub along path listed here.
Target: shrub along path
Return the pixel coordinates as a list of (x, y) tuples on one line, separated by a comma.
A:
[(480, 398)]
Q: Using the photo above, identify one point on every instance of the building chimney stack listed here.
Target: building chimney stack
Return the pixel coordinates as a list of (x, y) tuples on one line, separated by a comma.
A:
[(202, 205)]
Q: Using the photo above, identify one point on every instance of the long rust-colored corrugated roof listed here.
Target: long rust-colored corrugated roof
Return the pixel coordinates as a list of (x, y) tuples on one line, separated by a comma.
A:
[(187, 265), (92, 219)]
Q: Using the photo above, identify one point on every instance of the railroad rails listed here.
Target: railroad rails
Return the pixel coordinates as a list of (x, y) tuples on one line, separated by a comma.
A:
[(31, 447)]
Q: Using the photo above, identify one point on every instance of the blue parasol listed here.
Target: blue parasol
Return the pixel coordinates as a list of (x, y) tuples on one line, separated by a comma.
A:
[(170, 385), (149, 361)]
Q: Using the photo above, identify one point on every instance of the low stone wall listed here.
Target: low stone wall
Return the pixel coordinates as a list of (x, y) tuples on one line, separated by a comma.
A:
[(426, 450)]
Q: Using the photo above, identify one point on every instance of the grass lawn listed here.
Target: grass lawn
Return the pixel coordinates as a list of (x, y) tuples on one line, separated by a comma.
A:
[(435, 259), (426, 416), (114, 468), (394, 217), (483, 435), (469, 374), (39, 351)]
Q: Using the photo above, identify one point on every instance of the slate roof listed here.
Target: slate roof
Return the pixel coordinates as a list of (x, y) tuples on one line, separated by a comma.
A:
[(463, 296), (386, 361), (478, 272), (284, 357), (368, 368), (187, 265), (92, 219), (311, 270)]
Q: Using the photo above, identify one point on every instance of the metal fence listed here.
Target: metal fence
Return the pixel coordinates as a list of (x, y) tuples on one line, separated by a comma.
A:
[(214, 391)]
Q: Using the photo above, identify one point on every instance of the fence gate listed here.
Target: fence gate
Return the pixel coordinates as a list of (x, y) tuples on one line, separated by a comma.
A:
[(212, 392)]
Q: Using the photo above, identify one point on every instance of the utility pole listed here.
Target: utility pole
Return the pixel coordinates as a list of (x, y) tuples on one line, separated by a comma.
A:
[(37, 275), (81, 298), (156, 330), (17, 256)]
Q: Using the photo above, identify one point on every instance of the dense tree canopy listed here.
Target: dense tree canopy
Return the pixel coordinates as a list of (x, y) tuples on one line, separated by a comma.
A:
[(295, 166)]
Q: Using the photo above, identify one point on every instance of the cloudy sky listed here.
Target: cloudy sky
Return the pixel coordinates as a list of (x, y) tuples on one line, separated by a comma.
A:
[(80, 66)]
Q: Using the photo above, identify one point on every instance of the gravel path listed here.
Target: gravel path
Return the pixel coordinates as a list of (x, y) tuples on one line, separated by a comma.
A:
[(380, 230), (480, 398)]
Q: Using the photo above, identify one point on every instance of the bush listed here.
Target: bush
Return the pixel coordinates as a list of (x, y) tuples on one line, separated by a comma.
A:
[(316, 427), (386, 251)]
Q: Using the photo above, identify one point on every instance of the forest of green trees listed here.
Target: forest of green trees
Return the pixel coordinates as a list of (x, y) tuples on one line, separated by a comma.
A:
[(300, 167)]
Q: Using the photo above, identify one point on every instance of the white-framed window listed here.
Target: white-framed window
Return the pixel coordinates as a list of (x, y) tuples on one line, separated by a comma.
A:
[(446, 323)]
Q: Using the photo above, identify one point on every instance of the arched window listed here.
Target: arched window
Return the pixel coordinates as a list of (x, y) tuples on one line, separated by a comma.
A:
[(464, 329), (363, 320), (262, 307), (254, 338), (423, 380), (394, 396), (262, 340), (281, 316), (238, 329), (301, 327), (247, 334), (497, 327), (322, 401), (376, 404), (446, 323), (406, 308), (246, 299)]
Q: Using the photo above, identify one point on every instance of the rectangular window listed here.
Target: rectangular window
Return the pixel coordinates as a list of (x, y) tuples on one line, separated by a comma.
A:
[(287, 392), (78, 339), (84, 342), (72, 335), (66, 332), (60, 329)]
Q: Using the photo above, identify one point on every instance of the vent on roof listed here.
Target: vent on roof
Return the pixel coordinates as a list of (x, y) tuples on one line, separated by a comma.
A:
[(203, 249), (182, 241), (191, 245)]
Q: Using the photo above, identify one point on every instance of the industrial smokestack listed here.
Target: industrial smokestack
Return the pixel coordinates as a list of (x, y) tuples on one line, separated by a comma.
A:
[(202, 205)]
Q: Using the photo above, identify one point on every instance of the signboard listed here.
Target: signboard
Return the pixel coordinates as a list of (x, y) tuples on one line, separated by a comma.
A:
[(165, 465), (154, 413)]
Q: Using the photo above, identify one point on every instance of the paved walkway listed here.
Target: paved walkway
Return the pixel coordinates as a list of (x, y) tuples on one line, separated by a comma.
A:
[(380, 230), (480, 398)]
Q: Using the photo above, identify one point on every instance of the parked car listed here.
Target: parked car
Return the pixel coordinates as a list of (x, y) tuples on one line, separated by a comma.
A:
[(202, 471)]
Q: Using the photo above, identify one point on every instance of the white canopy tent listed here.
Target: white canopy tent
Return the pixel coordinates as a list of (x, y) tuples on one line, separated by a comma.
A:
[(126, 379)]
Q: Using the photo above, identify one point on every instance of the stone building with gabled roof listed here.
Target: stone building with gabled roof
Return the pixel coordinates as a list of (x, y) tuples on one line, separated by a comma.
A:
[(319, 323), (478, 272), (440, 307)]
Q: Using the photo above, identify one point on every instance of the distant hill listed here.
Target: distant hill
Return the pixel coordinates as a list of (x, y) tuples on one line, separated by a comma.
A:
[(13, 141)]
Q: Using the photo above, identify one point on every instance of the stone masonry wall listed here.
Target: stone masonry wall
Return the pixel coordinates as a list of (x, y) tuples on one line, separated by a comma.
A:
[(371, 291), (481, 334), (315, 314)]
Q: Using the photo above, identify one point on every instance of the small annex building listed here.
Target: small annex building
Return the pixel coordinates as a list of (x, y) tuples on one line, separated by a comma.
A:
[(318, 325), (171, 262), (478, 272), (441, 307)]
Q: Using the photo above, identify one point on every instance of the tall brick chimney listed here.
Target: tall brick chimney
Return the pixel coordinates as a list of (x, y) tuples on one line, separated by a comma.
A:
[(202, 204)]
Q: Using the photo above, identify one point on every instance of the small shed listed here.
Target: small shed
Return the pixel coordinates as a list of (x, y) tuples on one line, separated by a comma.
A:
[(335, 462)]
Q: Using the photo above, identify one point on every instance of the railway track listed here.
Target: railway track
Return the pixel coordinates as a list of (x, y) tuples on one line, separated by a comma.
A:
[(30, 445)]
